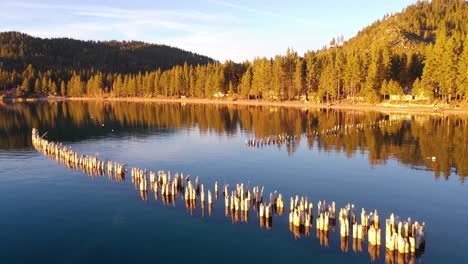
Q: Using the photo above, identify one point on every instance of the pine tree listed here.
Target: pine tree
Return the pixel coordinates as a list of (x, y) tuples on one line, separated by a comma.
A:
[(261, 77), (256, 77), (449, 67), (200, 80), (231, 89), (246, 83), (192, 82), (208, 92), (378, 70), (432, 76), (394, 88), (139, 86), (185, 89), (75, 86), (462, 76), (63, 88), (289, 68), (311, 78), (132, 86), (326, 87), (277, 82), (338, 71), (157, 83), (386, 63), (299, 77), (37, 86), (354, 73), (117, 86), (416, 88), (385, 90), (26, 86), (44, 86), (54, 88), (146, 87)]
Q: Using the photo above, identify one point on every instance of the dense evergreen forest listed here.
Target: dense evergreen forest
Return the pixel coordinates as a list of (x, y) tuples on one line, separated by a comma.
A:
[(422, 52), (18, 50)]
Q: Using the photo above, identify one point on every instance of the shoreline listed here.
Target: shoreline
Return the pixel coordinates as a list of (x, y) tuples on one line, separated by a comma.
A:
[(385, 107)]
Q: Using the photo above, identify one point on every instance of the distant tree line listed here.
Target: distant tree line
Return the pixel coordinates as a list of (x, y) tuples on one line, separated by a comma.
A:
[(422, 51), (18, 50)]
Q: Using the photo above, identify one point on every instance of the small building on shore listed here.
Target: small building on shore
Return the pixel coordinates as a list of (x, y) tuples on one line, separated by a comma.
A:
[(219, 95)]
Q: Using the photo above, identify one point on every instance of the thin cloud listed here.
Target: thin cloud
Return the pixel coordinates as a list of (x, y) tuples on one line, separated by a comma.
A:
[(242, 8), (178, 21), (263, 12), (188, 29), (227, 31), (102, 11)]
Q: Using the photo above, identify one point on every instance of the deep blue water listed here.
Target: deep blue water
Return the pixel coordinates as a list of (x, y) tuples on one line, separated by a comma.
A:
[(52, 214)]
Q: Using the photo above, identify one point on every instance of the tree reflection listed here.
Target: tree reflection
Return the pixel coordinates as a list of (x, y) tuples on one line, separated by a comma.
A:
[(413, 140)]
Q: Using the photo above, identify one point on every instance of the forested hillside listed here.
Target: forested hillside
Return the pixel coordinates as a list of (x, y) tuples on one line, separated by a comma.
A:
[(17, 50), (422, 51)]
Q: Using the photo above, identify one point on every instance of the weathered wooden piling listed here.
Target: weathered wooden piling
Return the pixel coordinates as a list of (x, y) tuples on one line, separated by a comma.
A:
[(404, 237)]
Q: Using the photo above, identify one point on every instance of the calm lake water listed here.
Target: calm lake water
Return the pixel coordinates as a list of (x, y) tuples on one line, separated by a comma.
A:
[(53, 214)]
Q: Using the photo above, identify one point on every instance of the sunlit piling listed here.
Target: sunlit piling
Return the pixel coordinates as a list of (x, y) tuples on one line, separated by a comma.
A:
[(344, 222), (226, 200), (402, 238), (202, 194), (210, 199), (300, 215), (337, 130), (91, 165), (216, 186)]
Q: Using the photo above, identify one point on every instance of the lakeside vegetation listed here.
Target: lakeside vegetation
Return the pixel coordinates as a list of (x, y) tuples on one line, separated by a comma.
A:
[(421, 52)]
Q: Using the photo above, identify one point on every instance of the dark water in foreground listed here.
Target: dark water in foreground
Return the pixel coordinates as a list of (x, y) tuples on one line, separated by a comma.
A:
[(51, 214)]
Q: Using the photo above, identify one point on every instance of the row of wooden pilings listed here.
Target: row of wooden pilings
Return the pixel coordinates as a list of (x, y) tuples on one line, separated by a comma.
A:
[(91, 165), (336, 130), (404, 238), (239, 200)]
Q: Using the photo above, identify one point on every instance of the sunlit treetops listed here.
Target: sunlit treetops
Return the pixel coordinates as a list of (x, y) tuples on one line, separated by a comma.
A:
[(420, 52)]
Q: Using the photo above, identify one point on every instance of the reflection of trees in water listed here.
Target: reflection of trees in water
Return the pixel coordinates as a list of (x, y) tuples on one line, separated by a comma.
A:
[(412, 141)]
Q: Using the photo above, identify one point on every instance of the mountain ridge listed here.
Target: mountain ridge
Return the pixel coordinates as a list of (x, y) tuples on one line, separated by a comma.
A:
[(20, 49), (421, 52)]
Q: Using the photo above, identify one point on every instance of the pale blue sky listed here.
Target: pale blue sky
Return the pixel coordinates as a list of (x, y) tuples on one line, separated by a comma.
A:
[(221, 29)]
